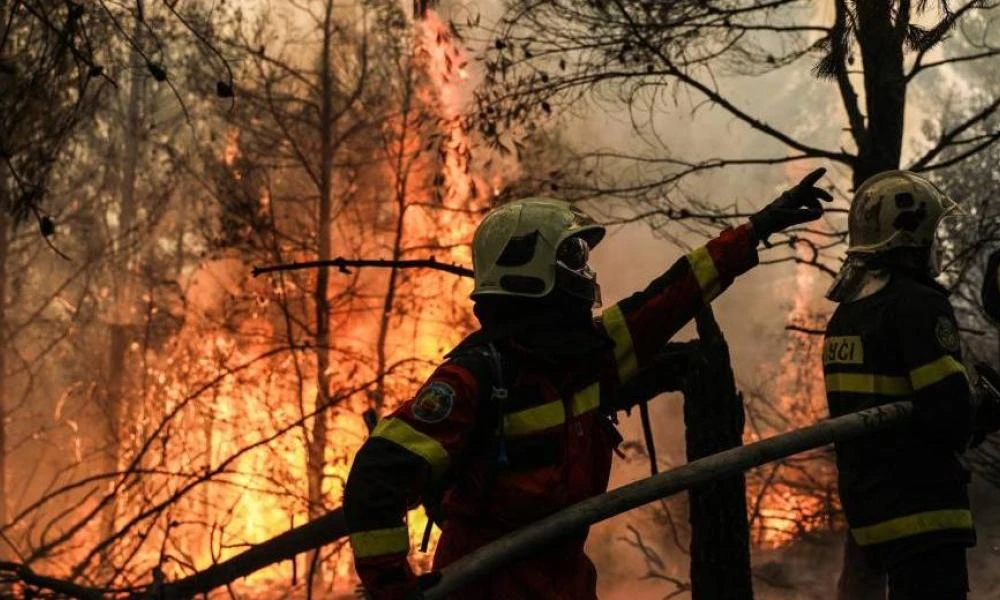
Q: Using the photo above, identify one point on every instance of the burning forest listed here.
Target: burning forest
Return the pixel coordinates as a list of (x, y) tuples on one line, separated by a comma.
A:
[(239, 358)]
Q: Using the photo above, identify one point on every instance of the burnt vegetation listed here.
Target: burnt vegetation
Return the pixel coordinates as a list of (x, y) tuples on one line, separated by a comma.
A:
[(171, 424)]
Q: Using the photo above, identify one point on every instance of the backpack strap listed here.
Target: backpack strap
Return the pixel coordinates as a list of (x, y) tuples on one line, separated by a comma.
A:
[(498, 395)]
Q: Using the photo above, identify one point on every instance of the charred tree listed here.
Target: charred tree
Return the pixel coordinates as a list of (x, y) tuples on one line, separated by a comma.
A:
[(120, 328), (714, 419), (321, 300)]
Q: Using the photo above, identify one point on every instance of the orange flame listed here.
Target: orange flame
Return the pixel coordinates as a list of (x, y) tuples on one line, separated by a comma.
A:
[(235, 448)]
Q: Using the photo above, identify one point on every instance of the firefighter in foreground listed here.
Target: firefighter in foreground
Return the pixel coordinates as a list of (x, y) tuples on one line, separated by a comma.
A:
[(518, 423), (894, 336)]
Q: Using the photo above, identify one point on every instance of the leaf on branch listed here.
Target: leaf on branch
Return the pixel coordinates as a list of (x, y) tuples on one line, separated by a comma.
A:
[(546, 107), (920, 39)]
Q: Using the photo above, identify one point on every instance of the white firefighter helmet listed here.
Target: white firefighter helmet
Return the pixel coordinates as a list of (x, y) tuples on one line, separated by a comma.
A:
[(892, 209), (895, 209), (528, 247)]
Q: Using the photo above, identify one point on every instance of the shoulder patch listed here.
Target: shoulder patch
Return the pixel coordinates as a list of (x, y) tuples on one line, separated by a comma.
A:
[(947, 334), (434, 402)]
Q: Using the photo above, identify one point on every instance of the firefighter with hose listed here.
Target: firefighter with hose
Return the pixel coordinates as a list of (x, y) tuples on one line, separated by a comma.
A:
[(519, 421), (894, 336)]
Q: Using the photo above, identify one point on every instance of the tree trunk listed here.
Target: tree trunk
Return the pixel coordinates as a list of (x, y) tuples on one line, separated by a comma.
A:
[(317, 443), (121, 321), (881, 41), (4, 253), (714, 419)]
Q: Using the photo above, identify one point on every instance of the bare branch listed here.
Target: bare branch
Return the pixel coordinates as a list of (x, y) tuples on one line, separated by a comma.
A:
[(950, 138), (344, 265)]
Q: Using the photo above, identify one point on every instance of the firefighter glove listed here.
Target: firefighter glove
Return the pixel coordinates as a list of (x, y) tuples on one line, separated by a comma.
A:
[(797, 205)]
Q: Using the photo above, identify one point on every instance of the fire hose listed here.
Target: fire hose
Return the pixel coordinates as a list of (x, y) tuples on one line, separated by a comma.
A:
[(522, 542)]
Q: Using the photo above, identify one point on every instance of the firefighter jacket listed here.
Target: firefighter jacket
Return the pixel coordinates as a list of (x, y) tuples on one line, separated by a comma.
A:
[(991, 287), (903, 490), (511, 461)]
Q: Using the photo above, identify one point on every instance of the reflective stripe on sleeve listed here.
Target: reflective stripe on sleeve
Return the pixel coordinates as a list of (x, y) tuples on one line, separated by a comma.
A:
[(379, 542), (617, 328), (534, 419), (901, 527), (867, 383), (704, 271), (587, 399), (421, 444), (551, 414), (934, 372)]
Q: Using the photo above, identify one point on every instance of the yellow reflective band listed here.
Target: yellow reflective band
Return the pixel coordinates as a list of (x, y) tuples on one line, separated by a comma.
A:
[(401, 433), (866, 383), (704, 271), (587, 399), (934, 372), (380, 542), (534, 419), (617, 328), (901, 527)]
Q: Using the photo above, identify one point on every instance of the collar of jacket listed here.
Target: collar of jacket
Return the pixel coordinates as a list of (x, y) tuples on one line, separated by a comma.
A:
[(542, 336)]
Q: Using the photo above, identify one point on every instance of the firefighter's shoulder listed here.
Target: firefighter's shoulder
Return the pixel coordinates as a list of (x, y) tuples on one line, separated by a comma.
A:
[(454, 384), (910, 291), (917, 300), (924, 313)]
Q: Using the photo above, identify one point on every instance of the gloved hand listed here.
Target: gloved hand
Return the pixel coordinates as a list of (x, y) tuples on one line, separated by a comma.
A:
[(797, 205), (415, 592), (986, 419)]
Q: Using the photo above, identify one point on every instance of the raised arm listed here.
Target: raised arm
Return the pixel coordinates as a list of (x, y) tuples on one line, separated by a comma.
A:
[(642, 323)]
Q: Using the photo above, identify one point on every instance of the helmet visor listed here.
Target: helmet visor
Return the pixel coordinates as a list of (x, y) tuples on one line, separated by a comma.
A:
[(573, 272), (954, 223), (573, 253)]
